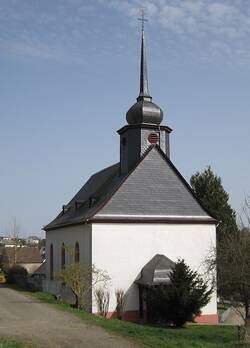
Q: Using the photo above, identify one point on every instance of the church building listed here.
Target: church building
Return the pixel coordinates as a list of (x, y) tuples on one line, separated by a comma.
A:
[(135, 218)]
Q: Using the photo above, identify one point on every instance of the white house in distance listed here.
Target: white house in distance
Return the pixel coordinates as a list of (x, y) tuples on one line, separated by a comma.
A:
[(136, 217), (32, 240)]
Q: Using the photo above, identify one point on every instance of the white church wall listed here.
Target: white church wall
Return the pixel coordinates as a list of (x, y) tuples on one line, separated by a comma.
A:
[(69, 236), (123, 249)]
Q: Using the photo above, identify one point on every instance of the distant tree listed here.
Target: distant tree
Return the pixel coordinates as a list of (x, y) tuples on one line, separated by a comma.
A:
[(209, 190), (14, 233), (233, 270), (14, 230), (234, 275), (182, 299), (17, 275), (41, 243), (22, 242)]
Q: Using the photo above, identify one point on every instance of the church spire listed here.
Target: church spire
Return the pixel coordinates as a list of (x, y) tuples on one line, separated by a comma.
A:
[(144, 92), (144, 121), (144, 111)]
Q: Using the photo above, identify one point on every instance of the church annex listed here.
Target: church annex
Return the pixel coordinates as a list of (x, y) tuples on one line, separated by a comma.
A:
[(136, 217)]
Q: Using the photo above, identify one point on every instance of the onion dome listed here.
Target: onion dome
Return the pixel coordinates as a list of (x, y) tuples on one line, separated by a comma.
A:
[(144, 110)]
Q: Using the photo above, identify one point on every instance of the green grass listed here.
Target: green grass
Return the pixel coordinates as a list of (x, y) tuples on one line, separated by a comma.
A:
[(12, 344), (193, 336)]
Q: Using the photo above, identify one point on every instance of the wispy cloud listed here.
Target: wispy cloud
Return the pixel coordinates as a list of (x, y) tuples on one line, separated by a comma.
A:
[(221, 26), (45, 30), (69, 31), (230, 18), (39, 50)]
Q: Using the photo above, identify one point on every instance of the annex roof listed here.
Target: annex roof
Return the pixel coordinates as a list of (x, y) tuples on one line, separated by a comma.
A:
[(41, 270), (153, 190), (156, 271)]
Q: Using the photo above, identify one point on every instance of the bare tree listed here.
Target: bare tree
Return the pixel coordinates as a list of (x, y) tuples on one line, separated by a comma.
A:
[(14, 233), (120, 302), (102, 297), (14, 230), (245, 215), (232, 261), (81, 279), (235, 274)]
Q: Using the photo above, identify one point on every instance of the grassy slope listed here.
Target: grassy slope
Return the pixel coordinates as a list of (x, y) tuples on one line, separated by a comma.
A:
[(12, 344), (203, 336)]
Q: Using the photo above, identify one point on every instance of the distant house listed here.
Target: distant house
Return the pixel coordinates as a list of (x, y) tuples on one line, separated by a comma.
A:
[(32, 240), (9, 242), (28, 257)]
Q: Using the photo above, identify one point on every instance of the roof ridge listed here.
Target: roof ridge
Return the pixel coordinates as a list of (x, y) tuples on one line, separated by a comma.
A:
[(184, 181), (112, 165)]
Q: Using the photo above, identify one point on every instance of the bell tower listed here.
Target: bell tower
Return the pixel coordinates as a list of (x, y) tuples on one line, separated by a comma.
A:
[(144, 119)]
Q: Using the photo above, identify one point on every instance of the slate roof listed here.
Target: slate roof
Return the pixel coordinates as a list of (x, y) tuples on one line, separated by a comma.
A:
[(156, 271), (154, 189), (98, 187), (41, 270), (23, 255)]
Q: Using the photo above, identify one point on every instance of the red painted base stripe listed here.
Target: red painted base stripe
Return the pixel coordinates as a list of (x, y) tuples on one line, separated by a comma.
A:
[(134, 316), (207, 319)]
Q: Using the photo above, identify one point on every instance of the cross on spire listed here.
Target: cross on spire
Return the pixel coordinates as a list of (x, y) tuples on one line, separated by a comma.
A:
[(142, 19)]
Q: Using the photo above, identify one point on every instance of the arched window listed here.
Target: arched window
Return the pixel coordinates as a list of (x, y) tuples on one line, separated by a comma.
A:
[(51, 262), (77, 252), (63, 256)]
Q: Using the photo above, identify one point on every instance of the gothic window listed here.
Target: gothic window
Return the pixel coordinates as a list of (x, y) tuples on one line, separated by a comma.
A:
[(77, 252), (63, 256), (51, 264)]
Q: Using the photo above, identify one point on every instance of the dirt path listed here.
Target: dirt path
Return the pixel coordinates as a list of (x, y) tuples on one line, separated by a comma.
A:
[(27, 319)]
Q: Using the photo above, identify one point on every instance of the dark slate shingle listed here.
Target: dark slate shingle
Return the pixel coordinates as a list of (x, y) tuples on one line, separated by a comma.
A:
[(99, 186), (153, 187)]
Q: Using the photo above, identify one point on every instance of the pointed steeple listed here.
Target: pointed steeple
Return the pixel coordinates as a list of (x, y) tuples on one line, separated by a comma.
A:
[(144, 111), (144, 91), (144, 121)]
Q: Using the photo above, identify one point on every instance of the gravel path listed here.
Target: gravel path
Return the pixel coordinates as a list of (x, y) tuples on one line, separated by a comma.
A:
[(27, 319)]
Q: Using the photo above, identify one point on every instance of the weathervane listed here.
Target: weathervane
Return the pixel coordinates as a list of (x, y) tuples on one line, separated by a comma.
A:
[(142, 19)]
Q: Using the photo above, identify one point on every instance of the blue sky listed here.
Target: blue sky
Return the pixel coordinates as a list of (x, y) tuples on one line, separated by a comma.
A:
[(70, 71)]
